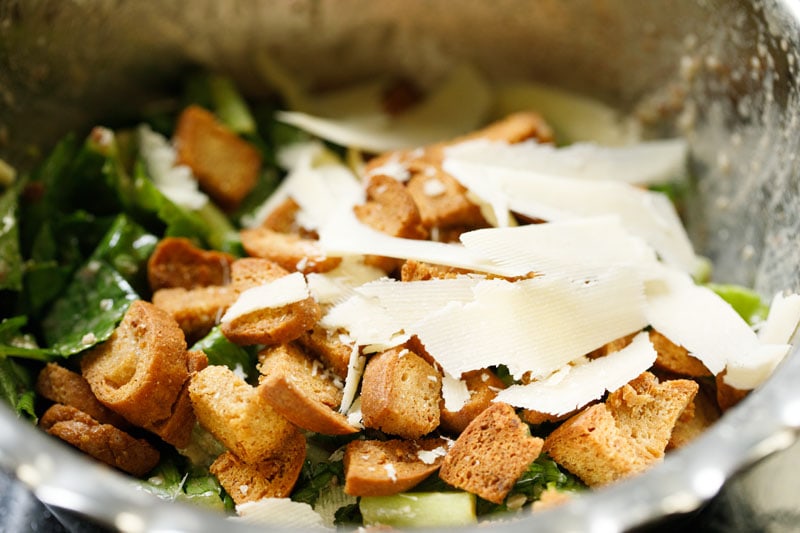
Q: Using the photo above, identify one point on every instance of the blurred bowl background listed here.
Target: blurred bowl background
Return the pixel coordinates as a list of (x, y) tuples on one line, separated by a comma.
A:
[(722, 73)]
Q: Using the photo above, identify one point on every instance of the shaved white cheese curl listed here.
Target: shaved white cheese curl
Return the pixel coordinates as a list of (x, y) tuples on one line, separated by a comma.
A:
[(643, 163), (283, 291), (457, 107), (572, 387), (645, 214), (536, 325)]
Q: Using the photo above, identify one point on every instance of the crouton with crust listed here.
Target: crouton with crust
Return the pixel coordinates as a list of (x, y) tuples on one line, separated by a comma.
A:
[(226, 166), (104, 442), (704, 412), (326, 346), (197, 310), (292, 252), (483, 386), (384, 468), (272, 477), (249, 272), (491, 454), (400, 394), (61, 385), (140, 370), (676, 359), (176, 262), (728, 395), (624, 436), (237, 415), (302, 390)]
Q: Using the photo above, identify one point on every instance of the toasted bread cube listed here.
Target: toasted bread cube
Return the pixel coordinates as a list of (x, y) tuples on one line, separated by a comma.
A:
[(384, 468), (273, 477), (418, 271), (704, 412), (676, 359), (442, 201), (302, 390), (328, 348), (104, 442), (483, 386), (400, 394), (292, 252), (491, 454), (226, 166), (237, 415), (177, 429), (283, 218), (613, 346), (591, 446), (728, 395), (140, 370), (273, 325), (251, 272), (624, 436), (66, 387), (390, 210), (196, 311), (176, 262), (648, 410)]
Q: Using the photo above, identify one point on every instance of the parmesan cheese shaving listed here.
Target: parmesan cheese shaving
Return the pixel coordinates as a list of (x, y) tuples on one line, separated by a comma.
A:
[(279, 512), (575, 386), (454, 392), (643, 163), (283, 291), (429, 456), (537, 324), (457, 107), (754, 369), (781, 322), (355, 369), (562, 248), (645, 214)]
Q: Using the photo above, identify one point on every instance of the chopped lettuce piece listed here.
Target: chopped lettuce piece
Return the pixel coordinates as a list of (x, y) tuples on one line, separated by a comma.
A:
[(127, 247), (10, 255), (221, 351), (419, 509), (16, 387)]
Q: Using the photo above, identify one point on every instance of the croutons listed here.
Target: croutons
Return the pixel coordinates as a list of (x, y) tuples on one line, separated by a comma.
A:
[(727, 395), (676, 359), (273, 325), (302, 390), (383, 468), (237, 415), (254, 271), (273, 477), (704, 412), (389, 209), (64, 386), (292, 252), (400, 394), (140, 370), (483, 386), (104, 442), (609, 441), (196, 311), (226, 166), (491, 453), (176, 262), (328, 348)]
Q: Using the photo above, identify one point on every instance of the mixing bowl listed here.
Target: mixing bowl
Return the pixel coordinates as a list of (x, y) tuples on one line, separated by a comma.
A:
[(722, 73)]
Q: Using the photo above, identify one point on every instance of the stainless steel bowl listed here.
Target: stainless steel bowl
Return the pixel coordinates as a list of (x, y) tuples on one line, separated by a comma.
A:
[(721, 72)]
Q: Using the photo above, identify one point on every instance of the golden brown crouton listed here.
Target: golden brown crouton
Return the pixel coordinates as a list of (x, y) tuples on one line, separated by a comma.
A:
[(491, 453), (273, 325), (177, 429), (302, 390), (283, 218), (273, 477), (140, 370), (64, 386), (328, 348), (613, 346), (676, 359), (176, 262), (648, 409), (251, 272), (607, 442), (237, 415), (383, 468), (226, 166), (390, 210), (727, 395), (104, 442), (591, 446), (292, 252), (196, 311), (483, 386), (704, 413), (400, 394), (418, 271), (442, 201)]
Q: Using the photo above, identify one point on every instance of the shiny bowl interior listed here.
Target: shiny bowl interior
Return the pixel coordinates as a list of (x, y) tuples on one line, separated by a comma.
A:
[(723, 73)]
